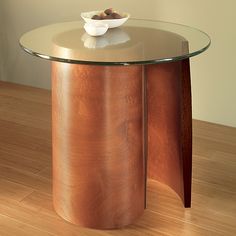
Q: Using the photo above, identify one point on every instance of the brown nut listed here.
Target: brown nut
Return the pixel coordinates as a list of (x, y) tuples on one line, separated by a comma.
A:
[(102, 15), (109, 11), (96, 17), (116, 15), (108, 17)]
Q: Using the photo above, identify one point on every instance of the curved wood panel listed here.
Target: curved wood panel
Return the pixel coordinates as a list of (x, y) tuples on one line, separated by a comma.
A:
[(98, 163), (170, 126)]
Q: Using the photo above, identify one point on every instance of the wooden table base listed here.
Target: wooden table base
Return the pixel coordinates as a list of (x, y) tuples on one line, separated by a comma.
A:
[(106, 119)]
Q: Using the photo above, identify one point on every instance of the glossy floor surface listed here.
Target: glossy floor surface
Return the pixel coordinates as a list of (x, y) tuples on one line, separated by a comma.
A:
[(25, 178)]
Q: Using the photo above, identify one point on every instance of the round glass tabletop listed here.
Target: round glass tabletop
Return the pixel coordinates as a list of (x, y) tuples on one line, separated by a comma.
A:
[(136, 42)]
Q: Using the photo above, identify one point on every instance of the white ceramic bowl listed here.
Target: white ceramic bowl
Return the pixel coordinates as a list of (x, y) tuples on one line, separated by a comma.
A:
[(95, 28), (112, 23)]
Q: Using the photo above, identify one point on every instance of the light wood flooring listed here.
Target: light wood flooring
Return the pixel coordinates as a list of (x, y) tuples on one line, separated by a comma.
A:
[(25, 178)]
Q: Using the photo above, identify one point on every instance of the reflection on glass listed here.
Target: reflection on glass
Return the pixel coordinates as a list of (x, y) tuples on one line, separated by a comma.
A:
[(113, 46), (112, 37)]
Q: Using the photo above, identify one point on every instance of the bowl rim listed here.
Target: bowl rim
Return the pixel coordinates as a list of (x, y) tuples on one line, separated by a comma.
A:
[(125, 14)]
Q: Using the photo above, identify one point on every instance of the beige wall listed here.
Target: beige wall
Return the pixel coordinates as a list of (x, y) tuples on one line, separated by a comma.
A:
[(213, 73)]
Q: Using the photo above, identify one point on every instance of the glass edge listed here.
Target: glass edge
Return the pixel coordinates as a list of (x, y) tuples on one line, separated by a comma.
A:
[(71, 61)]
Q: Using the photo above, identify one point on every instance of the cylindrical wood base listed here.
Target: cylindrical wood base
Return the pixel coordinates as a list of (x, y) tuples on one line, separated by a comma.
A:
[(98, 161)]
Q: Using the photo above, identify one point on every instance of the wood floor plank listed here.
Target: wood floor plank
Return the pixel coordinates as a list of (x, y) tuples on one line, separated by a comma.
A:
[(39, 202), (25, 112), (214, 132), (26, 152), (24, 136), (216, 218), (53, 225), (171, 226), (165, 224), (21, 162), (46, 172), (13, 191), (36, 95), (212, 146), (217, 173), (10, 227), (25, 178)]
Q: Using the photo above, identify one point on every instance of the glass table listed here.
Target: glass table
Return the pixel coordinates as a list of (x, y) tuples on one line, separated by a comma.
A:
[(121, 113)]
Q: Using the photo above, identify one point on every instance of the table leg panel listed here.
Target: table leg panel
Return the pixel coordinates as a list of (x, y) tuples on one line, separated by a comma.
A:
[(170, 126), (98, 162)]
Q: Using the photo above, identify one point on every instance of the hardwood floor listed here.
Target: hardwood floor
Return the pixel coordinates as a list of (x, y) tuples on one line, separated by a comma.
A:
[(25, 178)]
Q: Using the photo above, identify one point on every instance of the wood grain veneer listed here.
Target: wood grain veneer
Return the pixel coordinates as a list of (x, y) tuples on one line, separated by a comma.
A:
[(170, 126), (98, 162)]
